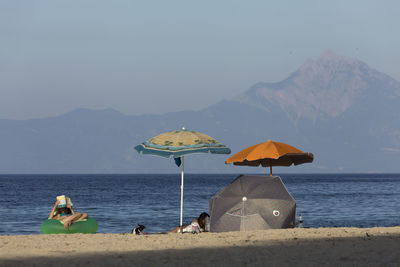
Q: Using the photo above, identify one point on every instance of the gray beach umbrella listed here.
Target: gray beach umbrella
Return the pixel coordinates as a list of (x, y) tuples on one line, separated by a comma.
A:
[(252, 203)]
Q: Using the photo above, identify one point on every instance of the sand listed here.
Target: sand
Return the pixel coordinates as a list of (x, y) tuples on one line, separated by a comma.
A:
[(285, 247)]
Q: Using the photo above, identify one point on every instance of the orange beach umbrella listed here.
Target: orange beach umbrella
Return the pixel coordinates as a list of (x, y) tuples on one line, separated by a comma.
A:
[(270, 154)]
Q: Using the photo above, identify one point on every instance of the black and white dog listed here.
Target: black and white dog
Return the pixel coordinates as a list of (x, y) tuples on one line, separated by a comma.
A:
[(138, 230)]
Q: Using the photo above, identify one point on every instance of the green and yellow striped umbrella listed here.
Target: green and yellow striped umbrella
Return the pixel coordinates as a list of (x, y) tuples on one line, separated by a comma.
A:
[(176, 144)]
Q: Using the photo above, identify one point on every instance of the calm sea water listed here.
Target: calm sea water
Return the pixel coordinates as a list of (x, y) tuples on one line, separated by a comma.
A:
[(119, 202)]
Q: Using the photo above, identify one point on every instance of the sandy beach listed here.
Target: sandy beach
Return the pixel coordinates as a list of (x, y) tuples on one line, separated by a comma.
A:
[(295, 247)]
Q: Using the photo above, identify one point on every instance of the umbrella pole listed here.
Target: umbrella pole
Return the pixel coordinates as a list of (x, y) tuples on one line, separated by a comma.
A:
[(182, 175), (270, 167)]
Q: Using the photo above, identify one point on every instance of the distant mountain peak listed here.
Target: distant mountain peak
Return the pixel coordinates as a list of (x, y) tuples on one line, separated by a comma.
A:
[(325, 87), (330, 62)]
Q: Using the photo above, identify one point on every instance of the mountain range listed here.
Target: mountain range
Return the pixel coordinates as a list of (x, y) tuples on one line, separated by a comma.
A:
[(340, 109)]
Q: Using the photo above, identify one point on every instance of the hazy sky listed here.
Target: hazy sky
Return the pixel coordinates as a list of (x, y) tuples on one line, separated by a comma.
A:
[(158, 56)]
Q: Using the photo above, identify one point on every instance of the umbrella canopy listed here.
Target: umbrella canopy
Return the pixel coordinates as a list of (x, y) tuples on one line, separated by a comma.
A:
[(176, 144), (270, 154), (252, 203)]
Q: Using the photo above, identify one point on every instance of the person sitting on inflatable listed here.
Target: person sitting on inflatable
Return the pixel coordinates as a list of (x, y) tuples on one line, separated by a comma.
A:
[(63, 211)]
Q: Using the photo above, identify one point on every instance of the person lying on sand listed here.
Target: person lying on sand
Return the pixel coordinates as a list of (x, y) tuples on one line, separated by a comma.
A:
[(200, 224), (66, 215)]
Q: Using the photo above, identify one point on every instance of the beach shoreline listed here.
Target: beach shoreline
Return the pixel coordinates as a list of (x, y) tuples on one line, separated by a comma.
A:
[(297, 247)]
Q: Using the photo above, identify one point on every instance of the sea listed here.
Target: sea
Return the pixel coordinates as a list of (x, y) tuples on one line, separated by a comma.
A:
[(119, 202)]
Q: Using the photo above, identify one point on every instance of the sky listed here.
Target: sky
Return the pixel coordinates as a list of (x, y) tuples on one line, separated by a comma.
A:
[(142, 57)]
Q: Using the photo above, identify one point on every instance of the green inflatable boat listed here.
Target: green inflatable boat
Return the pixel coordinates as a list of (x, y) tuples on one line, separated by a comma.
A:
[(51, 226)]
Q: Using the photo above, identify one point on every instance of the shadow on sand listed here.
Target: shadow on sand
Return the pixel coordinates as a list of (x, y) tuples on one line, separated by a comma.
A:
[(360, 251)]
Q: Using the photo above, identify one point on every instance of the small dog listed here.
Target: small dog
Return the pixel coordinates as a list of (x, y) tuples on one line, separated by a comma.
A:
[(138, 230)]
